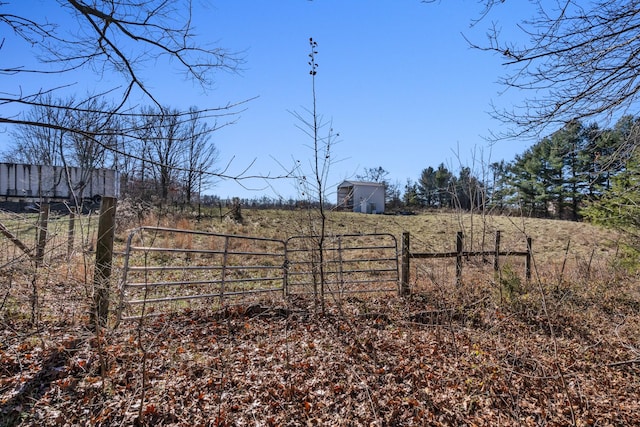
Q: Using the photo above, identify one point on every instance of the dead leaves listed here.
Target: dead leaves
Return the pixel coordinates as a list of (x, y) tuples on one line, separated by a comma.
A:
[(341, 369)]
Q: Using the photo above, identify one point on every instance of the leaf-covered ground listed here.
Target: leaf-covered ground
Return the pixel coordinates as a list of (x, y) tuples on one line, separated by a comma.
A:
[(552, 358)]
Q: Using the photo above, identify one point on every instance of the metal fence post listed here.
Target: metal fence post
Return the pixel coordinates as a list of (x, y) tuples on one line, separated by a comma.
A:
[(404, 282)]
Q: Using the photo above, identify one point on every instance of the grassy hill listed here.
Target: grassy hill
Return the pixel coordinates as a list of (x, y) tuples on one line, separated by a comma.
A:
[(495, 349)]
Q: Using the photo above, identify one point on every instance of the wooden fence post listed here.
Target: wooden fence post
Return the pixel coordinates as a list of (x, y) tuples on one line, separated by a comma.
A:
[(404, 281), (459, 237), (43, 221), (71, 231), (104, 256), (527, 262), (496, 261)]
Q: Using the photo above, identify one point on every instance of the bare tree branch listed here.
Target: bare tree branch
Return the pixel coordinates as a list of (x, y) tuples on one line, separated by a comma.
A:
[(579, 62), (111, 36)]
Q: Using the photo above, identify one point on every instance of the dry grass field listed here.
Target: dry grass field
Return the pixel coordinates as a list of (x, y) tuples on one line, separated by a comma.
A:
[(494, 349)]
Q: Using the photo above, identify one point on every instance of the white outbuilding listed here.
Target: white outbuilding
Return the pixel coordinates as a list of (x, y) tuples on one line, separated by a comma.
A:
[(361, 196)]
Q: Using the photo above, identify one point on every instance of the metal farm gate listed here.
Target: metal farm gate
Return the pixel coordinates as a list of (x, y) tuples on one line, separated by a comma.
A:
[(167, 269)]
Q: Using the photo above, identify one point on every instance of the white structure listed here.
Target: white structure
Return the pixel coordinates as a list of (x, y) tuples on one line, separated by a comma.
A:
[(361, 196), (37, 182)]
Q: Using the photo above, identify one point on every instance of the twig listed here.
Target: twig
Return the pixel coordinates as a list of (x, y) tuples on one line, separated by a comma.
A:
[(624, 362), (564, 264)]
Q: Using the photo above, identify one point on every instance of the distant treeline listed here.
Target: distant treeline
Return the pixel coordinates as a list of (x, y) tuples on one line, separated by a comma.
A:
[(566, 175), (261, 202), (167, 157), (557, 177)]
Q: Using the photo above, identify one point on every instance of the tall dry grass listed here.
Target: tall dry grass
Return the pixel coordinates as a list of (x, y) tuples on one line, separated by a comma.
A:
[(568, 256)]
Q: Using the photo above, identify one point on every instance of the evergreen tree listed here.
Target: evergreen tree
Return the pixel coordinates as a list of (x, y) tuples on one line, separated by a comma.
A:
[(444, 188), (619, 207), (499, 188), (427, 188), (411, 196), (528, 177), (469, 191)]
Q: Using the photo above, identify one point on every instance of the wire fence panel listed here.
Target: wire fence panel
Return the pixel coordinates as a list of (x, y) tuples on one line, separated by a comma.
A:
[(349, 263), (168, 269), (20, 234), (45, 263)]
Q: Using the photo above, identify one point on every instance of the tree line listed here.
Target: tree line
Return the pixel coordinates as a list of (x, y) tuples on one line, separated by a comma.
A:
[(167, 156), (566, 175), (162, 154)]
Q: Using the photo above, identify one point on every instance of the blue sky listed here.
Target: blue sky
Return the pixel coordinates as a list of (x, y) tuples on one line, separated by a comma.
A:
[(396, 78)]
